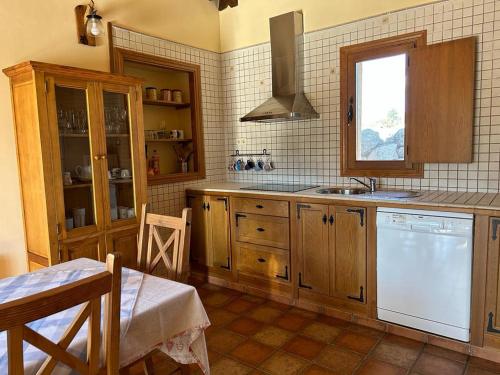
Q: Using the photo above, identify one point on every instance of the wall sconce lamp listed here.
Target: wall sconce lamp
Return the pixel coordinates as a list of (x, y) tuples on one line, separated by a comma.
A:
[(88, 23)]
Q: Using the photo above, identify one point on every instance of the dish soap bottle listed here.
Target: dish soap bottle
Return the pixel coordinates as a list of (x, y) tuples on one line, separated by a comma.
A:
[(155, 163)]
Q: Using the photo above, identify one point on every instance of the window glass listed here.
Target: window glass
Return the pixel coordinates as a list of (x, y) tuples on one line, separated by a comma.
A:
[(380, 108)]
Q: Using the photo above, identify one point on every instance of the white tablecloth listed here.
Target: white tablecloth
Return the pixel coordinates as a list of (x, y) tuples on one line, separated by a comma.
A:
[(168, 316)]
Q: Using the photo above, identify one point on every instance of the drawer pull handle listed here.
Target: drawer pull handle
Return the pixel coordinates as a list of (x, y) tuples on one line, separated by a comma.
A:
[(284, 277), (490, 324), (260, 229), (261, 260), (259, 206)]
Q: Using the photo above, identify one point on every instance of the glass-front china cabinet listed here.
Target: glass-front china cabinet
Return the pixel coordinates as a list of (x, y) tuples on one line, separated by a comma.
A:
[(80, 146)]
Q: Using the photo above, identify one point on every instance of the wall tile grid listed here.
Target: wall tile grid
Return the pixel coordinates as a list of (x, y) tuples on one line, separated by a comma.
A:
[(233, 83), (308, 151), (170, 199)]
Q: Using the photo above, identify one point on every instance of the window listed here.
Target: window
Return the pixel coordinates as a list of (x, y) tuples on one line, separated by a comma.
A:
[(374, 107)]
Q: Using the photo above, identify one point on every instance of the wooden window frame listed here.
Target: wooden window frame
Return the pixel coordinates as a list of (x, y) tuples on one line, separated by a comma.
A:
[(349, 56), (120, 56)]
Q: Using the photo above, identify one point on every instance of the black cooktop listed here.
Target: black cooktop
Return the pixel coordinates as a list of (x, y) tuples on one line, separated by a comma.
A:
[(285, 188)]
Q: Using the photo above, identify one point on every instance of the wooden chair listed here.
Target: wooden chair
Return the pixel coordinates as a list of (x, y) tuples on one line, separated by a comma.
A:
[(16, 314), (177, 263)]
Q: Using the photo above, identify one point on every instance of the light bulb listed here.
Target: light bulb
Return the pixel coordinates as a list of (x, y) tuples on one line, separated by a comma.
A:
[(94, 25)]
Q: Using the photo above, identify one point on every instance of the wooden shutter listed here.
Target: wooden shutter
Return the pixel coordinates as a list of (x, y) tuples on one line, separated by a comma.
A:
[(441, 102)]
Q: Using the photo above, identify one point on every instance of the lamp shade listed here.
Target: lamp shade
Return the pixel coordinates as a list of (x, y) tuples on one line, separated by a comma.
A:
[(94, 25)]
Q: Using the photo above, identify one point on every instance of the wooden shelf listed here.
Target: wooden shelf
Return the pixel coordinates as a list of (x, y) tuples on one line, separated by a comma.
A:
[(174, 177), (166, 104), (171, 140), (77, 186), (118, 135), (121, 181), (74, 135)]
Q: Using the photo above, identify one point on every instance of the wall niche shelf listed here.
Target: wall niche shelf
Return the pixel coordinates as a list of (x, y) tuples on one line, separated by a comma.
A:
[(166, 154)]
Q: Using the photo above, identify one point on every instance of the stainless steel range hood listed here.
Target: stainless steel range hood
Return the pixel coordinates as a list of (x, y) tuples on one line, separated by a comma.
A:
[(287, 51)]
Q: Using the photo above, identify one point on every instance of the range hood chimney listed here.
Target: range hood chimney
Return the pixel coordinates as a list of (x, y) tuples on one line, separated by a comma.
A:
[(287, 51)]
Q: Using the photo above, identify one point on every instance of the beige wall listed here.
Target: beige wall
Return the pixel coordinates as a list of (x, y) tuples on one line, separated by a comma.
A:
[(248, 23), (45, 30)]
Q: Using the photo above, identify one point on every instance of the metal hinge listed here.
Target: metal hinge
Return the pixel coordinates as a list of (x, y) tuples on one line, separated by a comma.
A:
[(494, 223), (59, 253), (408, 60), (361, 298), (407, 150), (301, 206), (46, 87)]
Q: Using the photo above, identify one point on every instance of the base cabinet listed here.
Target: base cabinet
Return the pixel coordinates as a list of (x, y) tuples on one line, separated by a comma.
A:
[(492, 305), (124, 242), (331, 251), (92, 247), (210, 234)]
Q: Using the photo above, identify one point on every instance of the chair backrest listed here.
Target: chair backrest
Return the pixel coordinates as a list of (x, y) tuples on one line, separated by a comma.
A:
[(14, 316), (175, 261)]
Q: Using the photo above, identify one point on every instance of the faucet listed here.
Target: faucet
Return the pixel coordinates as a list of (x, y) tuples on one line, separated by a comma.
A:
[(372, 186)]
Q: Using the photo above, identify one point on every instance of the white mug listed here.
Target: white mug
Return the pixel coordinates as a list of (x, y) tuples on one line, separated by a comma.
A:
[(180, 134), (84, 172), (67, 178), (69, 223), (130, 213), (124, 173), (122, 212)]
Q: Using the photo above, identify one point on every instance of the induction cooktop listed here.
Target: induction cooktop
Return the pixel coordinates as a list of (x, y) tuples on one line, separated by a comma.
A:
[(285, 188)]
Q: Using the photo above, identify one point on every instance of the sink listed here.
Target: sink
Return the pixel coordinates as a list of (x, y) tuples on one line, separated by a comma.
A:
[(352, 191), (395, 194)]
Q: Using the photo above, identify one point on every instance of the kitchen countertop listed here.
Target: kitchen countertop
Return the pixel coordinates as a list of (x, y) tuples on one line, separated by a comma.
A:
[(434, 198)]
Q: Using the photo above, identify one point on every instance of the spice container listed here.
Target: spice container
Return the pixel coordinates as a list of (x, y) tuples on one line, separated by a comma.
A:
[(151, 93), (177, 96), (166, 95)]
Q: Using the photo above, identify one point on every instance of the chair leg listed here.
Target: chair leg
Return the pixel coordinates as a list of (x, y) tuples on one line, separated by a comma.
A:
[(148, 365)]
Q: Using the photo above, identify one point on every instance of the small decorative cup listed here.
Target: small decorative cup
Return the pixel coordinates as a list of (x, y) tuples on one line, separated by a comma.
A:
[(130, 213), (125, 173), (122, 212), (69, 223), (67, 178), (79, 217)]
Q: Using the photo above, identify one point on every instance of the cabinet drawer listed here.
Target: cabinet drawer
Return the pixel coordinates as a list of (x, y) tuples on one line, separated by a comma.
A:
[(261, 206), (263, 261), (262, 230)]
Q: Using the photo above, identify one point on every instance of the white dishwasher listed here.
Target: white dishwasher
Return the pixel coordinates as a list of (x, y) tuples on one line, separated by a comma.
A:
[(424, 270)]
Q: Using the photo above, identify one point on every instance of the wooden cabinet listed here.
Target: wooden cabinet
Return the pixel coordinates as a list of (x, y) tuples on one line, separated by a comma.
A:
[(210, 235), (80, 148), (124, 242), (263, 261), (331, 251), (492, 306), (262, 230)]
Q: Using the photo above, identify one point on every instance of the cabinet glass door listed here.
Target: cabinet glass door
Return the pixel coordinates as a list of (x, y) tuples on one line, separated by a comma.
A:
[(117, 127), (75, 147)]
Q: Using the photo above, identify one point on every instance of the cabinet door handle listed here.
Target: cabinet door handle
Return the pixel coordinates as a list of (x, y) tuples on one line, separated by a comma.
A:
[(261, 260), (361, 213), (301, 206), (228, 267), (259, 206), (204, 206), (495, 223), (284, 277), (303, 285), (350, 111), (332, 219), (238, 216), (260, 229), (96, 157), (225, 202), (208, 206), (325, 219), (360, 298)]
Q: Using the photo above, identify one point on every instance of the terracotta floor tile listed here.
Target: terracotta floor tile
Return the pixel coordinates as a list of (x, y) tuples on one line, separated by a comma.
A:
[(273, 336), (220, 317), (253, 299), (264, 314), (395, 354), (357, 342), (239, 306), (224, 341), (304, 347), (291, 322), (484, 364), (403, 341), (304, 313), (374, 367), (252, 352), (341, 362), (211, 287), (284, 364), (335, 322), (321, 332), (429, 364), (227, 366), (318, 370), (478, 371), (216, 299), (245, 326), (367, 331), (278, 306), (212, 357), (445, 353)]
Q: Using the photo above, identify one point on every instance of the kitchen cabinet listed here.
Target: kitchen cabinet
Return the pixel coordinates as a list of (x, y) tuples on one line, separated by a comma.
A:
[(210, 234), (80, 150), (331, 247), (492, 306)]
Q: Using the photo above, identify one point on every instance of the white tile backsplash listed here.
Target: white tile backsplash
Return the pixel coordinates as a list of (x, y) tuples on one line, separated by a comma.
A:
[(233, 83)]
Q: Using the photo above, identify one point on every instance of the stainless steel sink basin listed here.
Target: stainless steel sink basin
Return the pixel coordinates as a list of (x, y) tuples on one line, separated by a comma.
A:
[(352, 191), (395, 194)]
